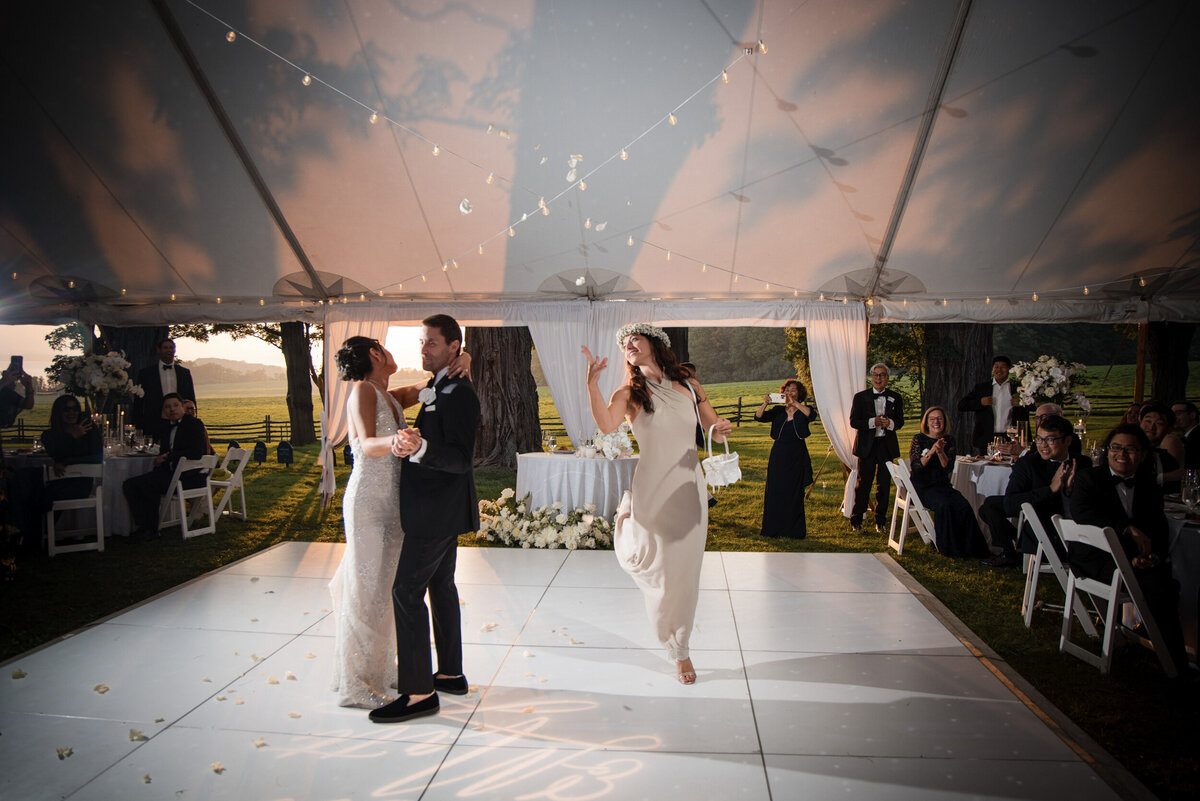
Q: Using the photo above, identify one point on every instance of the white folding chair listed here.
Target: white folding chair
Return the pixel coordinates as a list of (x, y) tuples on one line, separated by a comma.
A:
[(1046, 560), (94, 502), (1121, 589), (235, 463), (173, 509), (907, 510)]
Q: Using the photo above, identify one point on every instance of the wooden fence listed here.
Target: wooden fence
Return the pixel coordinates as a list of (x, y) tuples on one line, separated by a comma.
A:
[(265, 430)]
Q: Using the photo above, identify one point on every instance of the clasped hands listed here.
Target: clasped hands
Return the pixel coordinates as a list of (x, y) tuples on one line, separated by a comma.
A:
[(881, 420), (406, 442)]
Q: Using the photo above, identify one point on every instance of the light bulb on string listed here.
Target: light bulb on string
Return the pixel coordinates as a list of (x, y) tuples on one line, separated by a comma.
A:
[(362, 295), (845, 299), (423, 278), (735, 278), (71, 285), (672, 119), (218, 300), (582, 185), (822, 297), (668, 255), (704, 268), (123, 290), (454, 263), (1141, 281), (629, 241), (14, 276), (374, 117), (306, 80), (480, 248), (436, 150), (906, 301), (541, 202), (1086, 291), (545, 211), (795, 293), (587, 223), (511, 232), (624, 155), (762, 47), (491, 177), (988, 300), (231, 37), (380, 293), (172, 296), (1035, 297), (724, 76), (445, 266), (945, 302), (767, 287)]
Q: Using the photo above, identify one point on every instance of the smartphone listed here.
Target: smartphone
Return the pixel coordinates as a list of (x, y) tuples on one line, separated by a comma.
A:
[(17, 365), (776, 397)]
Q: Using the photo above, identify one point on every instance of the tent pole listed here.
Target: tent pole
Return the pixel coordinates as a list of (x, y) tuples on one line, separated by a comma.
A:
[(1139, 374)]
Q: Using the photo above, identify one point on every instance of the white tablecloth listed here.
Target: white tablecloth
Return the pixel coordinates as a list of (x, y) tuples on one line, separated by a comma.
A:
[(1185, 567), (550, 477), (117, 520), (979, 480)]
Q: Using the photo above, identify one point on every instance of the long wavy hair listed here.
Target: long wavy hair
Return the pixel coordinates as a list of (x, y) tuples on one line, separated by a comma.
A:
[(672, 369)]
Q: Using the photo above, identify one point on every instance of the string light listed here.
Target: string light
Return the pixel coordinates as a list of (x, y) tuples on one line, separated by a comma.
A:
[(374, 117), (423, 279), (703, 268), (735, 278), (1035, 297), (218, 300), (436, 150), (845, 300), (624, 155), (629, 241), (454, 263), (906, 301), (362, 296), (1141, 281), (14, 275), (822, 298), (582, 185), (545, 211), (724, 76), (480, 248), (380, 293), (762, 47), (671, 118), (541, 202), (767, 287), (1086, 291), (587, 223), (668, 255), (795, 293), (71, 285), (231, 37), (511, 232), (306, 80), (491, 177), (445, 266), (122, 290), (172, 296), (945, 302), (988, 301)]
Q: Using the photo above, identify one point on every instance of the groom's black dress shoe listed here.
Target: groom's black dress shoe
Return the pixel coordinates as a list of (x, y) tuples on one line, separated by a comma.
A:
[(455, 686), (400, 710)]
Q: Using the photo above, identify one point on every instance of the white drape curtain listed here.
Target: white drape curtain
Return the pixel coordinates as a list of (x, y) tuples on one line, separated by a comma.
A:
[(335, 424), (837, 354), (559, 330)]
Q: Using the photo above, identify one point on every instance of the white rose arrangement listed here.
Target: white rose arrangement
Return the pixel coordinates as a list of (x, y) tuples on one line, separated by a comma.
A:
[(615, 444), (1048, 380), (95, 377), (510, 522)]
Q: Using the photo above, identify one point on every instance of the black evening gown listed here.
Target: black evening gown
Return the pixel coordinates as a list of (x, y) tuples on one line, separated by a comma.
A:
[(789, 471), (955, 528)]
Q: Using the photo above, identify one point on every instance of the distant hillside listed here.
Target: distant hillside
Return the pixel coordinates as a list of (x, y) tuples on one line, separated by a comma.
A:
[(224, 371)]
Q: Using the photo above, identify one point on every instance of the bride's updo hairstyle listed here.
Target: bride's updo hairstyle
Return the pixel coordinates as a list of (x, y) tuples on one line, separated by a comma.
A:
[(354, 358)]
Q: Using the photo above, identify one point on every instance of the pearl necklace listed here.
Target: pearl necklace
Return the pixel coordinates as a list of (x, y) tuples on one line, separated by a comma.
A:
[(382, 386)]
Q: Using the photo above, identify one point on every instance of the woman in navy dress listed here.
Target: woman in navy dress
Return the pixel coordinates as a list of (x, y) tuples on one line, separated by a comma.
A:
[(931, 458), (789, 470)]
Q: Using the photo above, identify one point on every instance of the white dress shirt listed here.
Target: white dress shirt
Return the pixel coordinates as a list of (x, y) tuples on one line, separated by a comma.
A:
[(1001, 406), (166, 377)]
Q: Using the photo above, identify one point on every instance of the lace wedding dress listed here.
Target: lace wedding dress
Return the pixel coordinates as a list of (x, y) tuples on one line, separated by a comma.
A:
[(364, 654)]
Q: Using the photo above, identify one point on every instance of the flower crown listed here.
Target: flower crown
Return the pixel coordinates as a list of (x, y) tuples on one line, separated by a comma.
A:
[(646, 330)]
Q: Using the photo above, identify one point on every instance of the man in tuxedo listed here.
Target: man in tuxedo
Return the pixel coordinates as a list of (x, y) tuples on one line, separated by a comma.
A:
[(1037, 478), (166, 376), (437, 504), (179, 437), (994, 406), (1187, 417), (875, 415), (1117, 495)]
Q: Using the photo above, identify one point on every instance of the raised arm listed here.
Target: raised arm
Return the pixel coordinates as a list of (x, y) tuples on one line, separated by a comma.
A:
[(459, 366), (607, 416)]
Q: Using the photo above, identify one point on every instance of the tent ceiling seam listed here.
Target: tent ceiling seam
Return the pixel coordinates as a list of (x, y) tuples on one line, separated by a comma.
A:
[(921, 142), (179, 40)]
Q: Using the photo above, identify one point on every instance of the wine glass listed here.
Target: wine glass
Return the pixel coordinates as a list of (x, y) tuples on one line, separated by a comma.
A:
[(551, 441)]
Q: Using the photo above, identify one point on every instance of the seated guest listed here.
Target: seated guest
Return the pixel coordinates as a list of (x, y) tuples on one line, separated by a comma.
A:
[(189, 408), (180, 437), (1037, 478), (931, 458), (71, 439), (1187, 416), (1120, 495), (1167, 457), (1132, 414)]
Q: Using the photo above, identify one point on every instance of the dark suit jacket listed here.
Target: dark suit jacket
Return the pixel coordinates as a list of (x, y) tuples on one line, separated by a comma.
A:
[(437, 494), (862, 409), (191, 442), (1094, 501), (148, 409), (1030, 483), (985, 418), (1191, 449)]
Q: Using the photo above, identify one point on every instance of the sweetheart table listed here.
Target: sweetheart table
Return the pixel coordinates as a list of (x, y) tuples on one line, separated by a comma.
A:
[(573, 481)]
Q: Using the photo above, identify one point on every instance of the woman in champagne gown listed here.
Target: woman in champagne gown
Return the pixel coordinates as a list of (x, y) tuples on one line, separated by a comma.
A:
[(364, 664), (662, 524)]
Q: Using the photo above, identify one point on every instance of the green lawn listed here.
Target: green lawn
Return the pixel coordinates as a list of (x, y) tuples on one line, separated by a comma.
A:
[(1144, 720)]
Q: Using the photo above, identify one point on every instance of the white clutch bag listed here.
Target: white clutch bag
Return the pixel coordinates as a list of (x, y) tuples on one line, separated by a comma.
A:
[(722, 469)]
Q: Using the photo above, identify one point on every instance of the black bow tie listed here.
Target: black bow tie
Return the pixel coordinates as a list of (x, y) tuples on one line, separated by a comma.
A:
[(173, 423), (1128, 482), (168, 367), (878, 393)]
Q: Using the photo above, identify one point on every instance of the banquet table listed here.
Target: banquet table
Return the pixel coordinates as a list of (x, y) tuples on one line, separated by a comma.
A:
[(572, 481), (116, 470), (980, 479), (1185, 567)]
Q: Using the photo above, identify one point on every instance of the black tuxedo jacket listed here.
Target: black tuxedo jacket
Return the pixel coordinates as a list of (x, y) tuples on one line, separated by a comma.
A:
[(1094, 501), (1030, 483), (191, 442), (862, 410), (148, 411), (1191, 449), (985, 418), (437, 494)]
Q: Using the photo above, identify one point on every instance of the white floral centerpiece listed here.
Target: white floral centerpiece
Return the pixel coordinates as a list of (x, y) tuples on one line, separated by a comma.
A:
[(615, 444), (99, 378), (1049, 380), (511, 522)]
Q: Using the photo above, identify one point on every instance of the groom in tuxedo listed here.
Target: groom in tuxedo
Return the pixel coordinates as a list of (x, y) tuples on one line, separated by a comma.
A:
[(437, 503), (875, 416)]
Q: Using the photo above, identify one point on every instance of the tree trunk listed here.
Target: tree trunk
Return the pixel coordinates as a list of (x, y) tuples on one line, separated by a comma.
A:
[(297, 359), (1169, 344), (508, 396), (679, 343), (957, 356)]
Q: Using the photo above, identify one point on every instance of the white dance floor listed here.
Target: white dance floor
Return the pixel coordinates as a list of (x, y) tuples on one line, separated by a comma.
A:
[(820, 676)]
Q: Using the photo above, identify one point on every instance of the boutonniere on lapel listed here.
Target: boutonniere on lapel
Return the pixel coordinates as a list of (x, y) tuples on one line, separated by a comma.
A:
[(427, 396)]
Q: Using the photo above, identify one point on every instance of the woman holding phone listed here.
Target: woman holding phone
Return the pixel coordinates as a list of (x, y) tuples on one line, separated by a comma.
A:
[(789, 470)]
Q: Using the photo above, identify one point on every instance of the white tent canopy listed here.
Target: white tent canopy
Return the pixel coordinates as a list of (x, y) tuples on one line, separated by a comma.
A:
[(191, 160)]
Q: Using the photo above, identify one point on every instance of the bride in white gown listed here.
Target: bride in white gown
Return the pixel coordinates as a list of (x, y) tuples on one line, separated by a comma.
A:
[(364, 657)]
